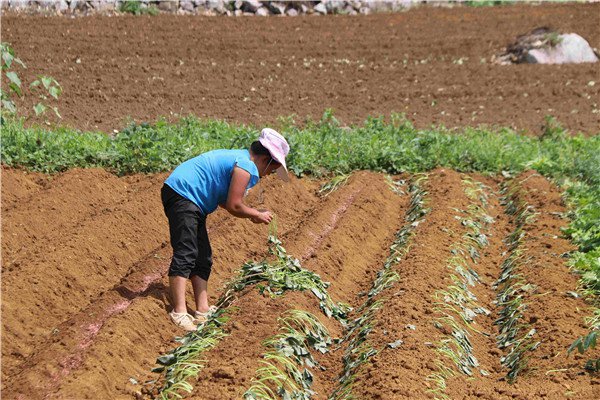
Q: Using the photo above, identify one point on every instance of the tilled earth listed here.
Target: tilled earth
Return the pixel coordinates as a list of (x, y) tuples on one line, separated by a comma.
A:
[(84, 310), (433, 64)]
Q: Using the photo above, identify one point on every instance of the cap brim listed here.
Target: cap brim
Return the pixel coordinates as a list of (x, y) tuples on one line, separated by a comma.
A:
[(282, 173)]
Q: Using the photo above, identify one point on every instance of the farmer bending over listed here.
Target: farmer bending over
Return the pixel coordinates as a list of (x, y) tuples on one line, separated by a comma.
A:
[(194, 190)]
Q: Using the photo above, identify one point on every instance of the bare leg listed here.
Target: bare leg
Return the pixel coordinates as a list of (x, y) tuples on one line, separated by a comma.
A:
[(177, 285), (200, 293)]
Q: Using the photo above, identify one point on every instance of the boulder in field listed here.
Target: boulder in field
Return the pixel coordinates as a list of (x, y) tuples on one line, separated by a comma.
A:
[(547, 46), (571, 48)]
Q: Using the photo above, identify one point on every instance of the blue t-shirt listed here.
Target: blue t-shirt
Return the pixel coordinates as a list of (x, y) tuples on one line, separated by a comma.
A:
[(205, 179)]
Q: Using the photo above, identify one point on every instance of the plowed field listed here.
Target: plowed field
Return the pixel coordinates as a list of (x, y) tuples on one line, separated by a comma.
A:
[(433, 64), (83, 281)]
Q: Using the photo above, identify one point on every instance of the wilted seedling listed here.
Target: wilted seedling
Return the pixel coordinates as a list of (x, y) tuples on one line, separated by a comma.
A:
[(334, 184), (281, 376)]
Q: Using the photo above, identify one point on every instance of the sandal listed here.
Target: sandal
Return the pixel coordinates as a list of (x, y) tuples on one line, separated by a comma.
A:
[(183, 320), (201, 317)]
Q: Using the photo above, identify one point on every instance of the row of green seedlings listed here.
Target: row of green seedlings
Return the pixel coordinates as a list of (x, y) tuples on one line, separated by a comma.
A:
[(359, 350), (457, 304), (285, 273), (286, 371), (515, 335)]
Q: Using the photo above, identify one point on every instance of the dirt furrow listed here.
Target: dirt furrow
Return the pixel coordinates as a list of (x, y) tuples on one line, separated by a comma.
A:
[(48, 288), (347, 241), (495, 225), (87, 317), (556, 316), (409, 313), (71, 339)]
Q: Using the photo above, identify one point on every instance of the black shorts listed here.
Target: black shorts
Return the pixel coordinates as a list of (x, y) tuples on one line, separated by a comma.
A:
[(192, 254)]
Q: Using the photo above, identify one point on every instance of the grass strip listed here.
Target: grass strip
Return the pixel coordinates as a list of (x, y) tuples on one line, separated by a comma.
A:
[(319, 148)]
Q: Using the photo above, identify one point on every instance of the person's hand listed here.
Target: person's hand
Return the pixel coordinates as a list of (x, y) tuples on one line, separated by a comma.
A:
[(264, 217)]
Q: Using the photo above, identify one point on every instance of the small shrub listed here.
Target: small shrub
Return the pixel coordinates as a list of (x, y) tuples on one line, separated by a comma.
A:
[(136, 7)]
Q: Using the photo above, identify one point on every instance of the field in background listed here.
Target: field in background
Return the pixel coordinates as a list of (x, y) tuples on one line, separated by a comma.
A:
[(433, 64)]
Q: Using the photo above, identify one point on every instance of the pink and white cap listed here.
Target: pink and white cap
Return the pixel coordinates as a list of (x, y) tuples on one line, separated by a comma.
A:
[(278, 147)]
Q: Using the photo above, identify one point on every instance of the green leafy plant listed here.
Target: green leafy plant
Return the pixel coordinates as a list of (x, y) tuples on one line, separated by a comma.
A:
[(136, 7), (553, 39), (334, 184), (274, 279), (14, 82), (457, 305), (186, 361), (51, 87), (512, 289), (584, 343), (44, 87)]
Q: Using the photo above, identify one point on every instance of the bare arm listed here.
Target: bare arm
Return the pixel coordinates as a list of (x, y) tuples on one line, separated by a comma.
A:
[(235, 204)]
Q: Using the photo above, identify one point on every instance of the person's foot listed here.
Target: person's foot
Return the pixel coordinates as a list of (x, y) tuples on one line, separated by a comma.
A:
[(183, 320), (201, 317)]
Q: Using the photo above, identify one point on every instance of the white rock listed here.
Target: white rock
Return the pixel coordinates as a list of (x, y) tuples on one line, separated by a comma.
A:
[(379, 5), (262, 12), (61, 5), (356, 4), (18, 4), (334, 6), (78, 5), (292, 12), (186, 5), (276, 7), (167, 5), (215, 5), (320, 8), (349, 10), (571, 48)]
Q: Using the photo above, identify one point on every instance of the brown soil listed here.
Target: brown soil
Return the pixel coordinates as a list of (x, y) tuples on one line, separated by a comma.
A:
[(433, 64), (84, 306)]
